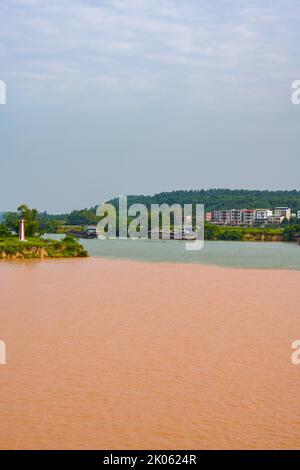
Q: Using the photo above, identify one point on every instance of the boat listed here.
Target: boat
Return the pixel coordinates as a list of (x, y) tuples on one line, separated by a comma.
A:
[(184, 234), (188, 234), (90, 231)]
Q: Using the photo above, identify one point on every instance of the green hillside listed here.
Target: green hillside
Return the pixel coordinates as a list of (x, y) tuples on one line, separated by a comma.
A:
[(215, 199)]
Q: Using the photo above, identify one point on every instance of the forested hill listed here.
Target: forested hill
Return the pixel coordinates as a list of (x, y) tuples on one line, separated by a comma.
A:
[(215, 199)]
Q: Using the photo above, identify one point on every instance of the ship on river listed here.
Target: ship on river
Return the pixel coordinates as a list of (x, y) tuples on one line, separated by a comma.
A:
[(90, 231)]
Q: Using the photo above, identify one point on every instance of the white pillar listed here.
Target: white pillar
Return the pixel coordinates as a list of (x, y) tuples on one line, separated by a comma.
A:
[(22, 230)]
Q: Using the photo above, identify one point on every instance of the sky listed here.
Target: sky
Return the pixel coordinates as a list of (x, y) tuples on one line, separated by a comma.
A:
[(140, 96)]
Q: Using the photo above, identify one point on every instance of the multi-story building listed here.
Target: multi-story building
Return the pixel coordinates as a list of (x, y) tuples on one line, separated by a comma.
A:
[(221, 217), (275, 219), (248, 216), (262, 215), (235, 217), (285, 212), (298, 215)]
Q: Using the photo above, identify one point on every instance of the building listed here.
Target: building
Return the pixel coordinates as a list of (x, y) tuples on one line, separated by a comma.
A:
[(298, 215), (262, 215), (285, 212), (221, 217), (208, 216), (236, 217), (248, 216), (275, 219)]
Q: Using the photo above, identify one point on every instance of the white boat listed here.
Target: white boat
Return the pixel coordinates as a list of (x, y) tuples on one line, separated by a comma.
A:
[(188, 234)]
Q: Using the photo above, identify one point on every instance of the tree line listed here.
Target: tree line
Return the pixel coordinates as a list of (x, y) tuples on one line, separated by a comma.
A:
[(213, 199)]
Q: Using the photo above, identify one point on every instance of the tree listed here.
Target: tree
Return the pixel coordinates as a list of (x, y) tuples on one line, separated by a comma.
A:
[(30, 217), (215, 199), (212, 232), (291, 232), (11, 221), (4, 231), (83, 217)]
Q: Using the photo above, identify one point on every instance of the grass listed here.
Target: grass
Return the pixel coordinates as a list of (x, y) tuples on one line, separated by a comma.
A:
[(12, 247), (217, 232)]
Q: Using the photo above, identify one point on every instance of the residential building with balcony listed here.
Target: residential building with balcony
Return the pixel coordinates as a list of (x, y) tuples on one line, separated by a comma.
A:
[(248, 217), (263, 214), (275, 219), (236, 217), (221, 217), (285, 212)]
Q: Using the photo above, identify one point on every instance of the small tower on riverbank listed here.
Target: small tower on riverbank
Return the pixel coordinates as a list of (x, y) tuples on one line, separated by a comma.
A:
[(22, 230)]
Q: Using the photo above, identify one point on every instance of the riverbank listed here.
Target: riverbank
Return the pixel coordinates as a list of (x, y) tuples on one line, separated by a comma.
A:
[(13, 248), (259, 234), (112, 354), (213, 232)]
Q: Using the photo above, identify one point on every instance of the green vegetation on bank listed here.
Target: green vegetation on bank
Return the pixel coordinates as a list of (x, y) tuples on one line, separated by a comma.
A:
[(12, 247), (39, 223), (34, 246), (216, 232), (12, 219), (215, 199)]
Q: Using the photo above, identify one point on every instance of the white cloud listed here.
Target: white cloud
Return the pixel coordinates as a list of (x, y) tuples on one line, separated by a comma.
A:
[(148, 43)]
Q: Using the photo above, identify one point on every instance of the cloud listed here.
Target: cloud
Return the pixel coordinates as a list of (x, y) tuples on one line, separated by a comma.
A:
[(113, 44)]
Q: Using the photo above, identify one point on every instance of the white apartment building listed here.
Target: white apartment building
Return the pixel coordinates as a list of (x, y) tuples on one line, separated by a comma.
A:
[(248, 216), (275, 219), (284, 212), (262, 215), (235, 217), (221, 217)]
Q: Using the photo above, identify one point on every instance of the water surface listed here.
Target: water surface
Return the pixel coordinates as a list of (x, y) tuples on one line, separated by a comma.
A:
[(115, 354), (266, 255)]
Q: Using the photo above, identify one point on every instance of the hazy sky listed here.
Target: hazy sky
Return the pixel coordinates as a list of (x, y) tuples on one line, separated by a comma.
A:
[(140, 96)]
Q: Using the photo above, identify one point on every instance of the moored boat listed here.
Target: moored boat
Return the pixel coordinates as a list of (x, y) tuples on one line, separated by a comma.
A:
[(89, 231)]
